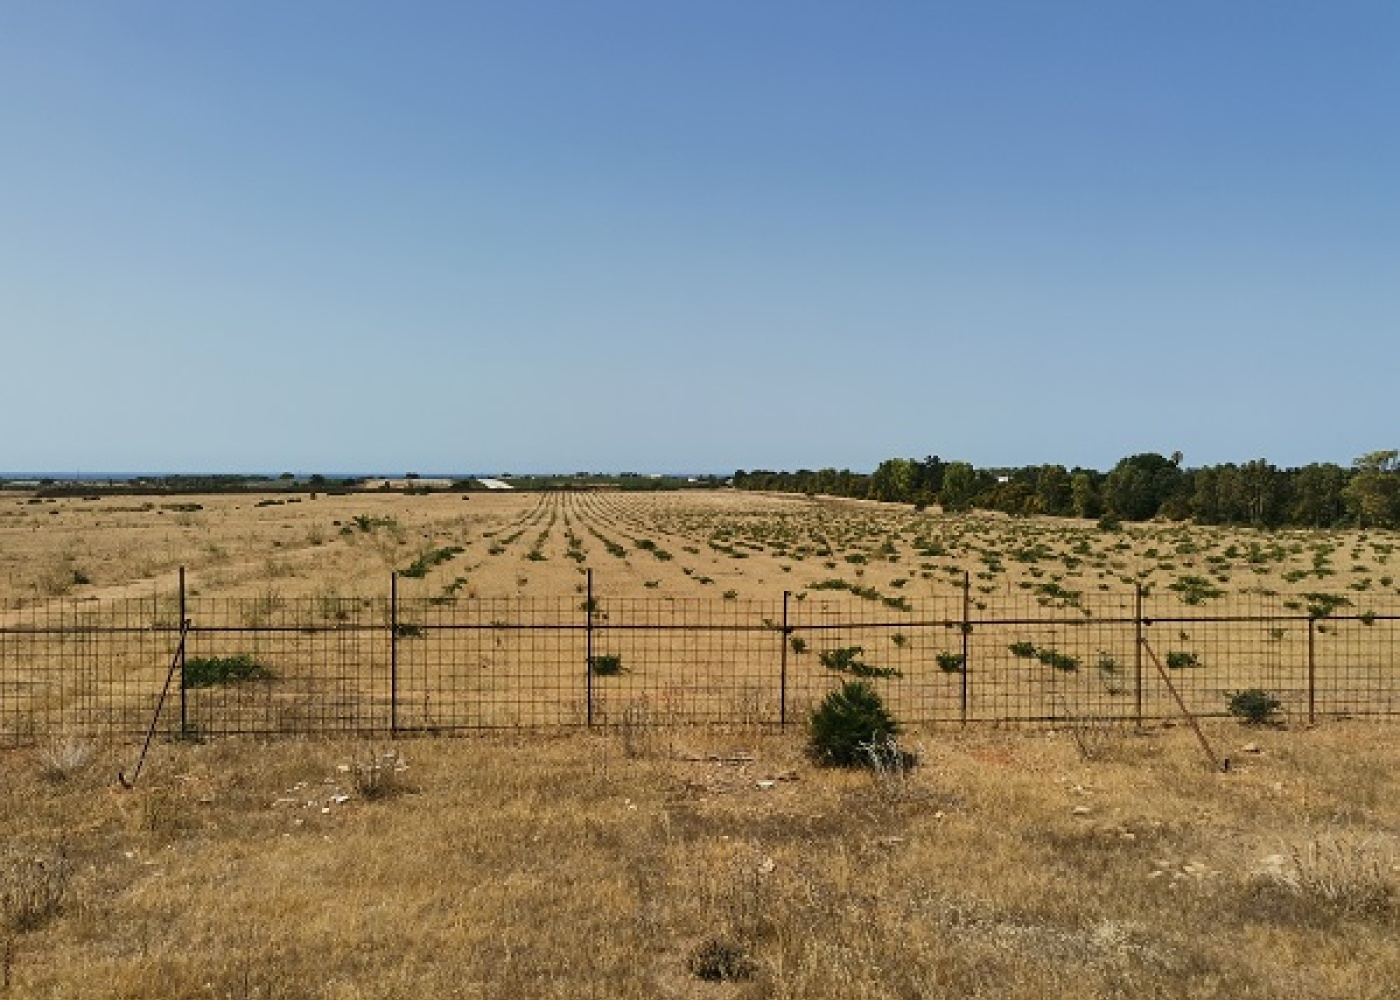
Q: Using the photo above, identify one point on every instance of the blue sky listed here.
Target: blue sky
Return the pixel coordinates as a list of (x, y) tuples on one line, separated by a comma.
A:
[(515, 236)]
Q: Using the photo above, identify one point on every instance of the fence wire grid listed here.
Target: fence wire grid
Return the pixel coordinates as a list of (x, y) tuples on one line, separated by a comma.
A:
[(341, 666)]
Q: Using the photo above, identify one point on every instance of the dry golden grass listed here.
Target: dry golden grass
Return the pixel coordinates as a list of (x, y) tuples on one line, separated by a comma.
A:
[(621, 865)]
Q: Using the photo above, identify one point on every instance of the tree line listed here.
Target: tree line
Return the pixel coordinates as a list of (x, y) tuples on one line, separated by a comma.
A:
[(1139, 488)]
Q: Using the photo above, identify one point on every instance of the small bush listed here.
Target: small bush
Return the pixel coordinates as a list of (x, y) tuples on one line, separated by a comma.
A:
[(419, 567), (847, 721), (1025, 650), (1178, 659), (607, 664), (1254, 705), (1054, 658), (1110, 673), (950, 662), (1195, 589), (721, 960), (1323, 605), (210, 671), (376, 775), (798, 644), (846, 660), (32, 887)]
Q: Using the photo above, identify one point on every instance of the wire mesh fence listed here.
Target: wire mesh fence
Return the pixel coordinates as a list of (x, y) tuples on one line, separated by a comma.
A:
[(341, 666)]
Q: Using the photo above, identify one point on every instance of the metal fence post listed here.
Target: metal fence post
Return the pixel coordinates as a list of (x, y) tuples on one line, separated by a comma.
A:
[(588, 650), (1312, 670), (783, 664), (393, 653), (1138, 640), (966, 629), (184, 705)]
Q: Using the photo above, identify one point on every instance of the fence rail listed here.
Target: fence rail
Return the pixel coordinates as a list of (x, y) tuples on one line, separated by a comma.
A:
[(388, 665)]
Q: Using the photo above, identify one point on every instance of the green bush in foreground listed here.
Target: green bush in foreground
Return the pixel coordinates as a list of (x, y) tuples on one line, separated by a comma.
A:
[(209, 671), (847, 721)]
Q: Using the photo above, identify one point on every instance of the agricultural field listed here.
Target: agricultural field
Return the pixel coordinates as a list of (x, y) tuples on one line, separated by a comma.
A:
[(711, 606), (718, 544)]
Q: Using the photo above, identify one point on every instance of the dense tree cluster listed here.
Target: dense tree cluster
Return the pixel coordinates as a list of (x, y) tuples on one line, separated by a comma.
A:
[(1138, 488)]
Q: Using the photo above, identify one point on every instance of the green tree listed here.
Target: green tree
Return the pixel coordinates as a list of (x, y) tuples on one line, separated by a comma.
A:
[(1319, 495), (1374, 491), (959, 486), (1054, 494), (1084, 494), (893, 480), (1138, 486), (1205, 496)]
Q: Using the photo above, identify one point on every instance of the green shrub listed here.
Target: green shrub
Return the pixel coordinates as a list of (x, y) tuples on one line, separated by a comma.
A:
[(1254, 705), (607, 664), (951, 663), (1056, 659), (846, 660), (420, 566), (1180, 659), (1025, 650), (1322, 605), (847, 721), (1195, 589), (208, 671)]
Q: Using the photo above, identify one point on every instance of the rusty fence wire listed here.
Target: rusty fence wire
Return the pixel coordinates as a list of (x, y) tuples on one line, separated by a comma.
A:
[(360, 666)]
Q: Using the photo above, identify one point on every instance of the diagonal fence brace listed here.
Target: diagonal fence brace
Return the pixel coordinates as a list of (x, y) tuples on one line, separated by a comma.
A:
[(1216, 762), (160, 704)]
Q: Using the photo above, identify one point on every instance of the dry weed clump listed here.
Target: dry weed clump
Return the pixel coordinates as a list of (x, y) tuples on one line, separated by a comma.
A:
[(892, 767), (1338, 871), (33, 885), (65, 756), (376, 775)]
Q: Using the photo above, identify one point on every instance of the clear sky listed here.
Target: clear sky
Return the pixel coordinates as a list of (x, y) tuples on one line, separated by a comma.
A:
[(695, 236)]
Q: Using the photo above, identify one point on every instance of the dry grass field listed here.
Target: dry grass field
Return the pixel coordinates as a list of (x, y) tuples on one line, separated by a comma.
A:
[(632, 863), (638, 859)]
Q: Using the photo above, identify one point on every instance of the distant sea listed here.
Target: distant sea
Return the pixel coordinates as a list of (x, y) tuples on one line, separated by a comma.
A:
[(121, 477)]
